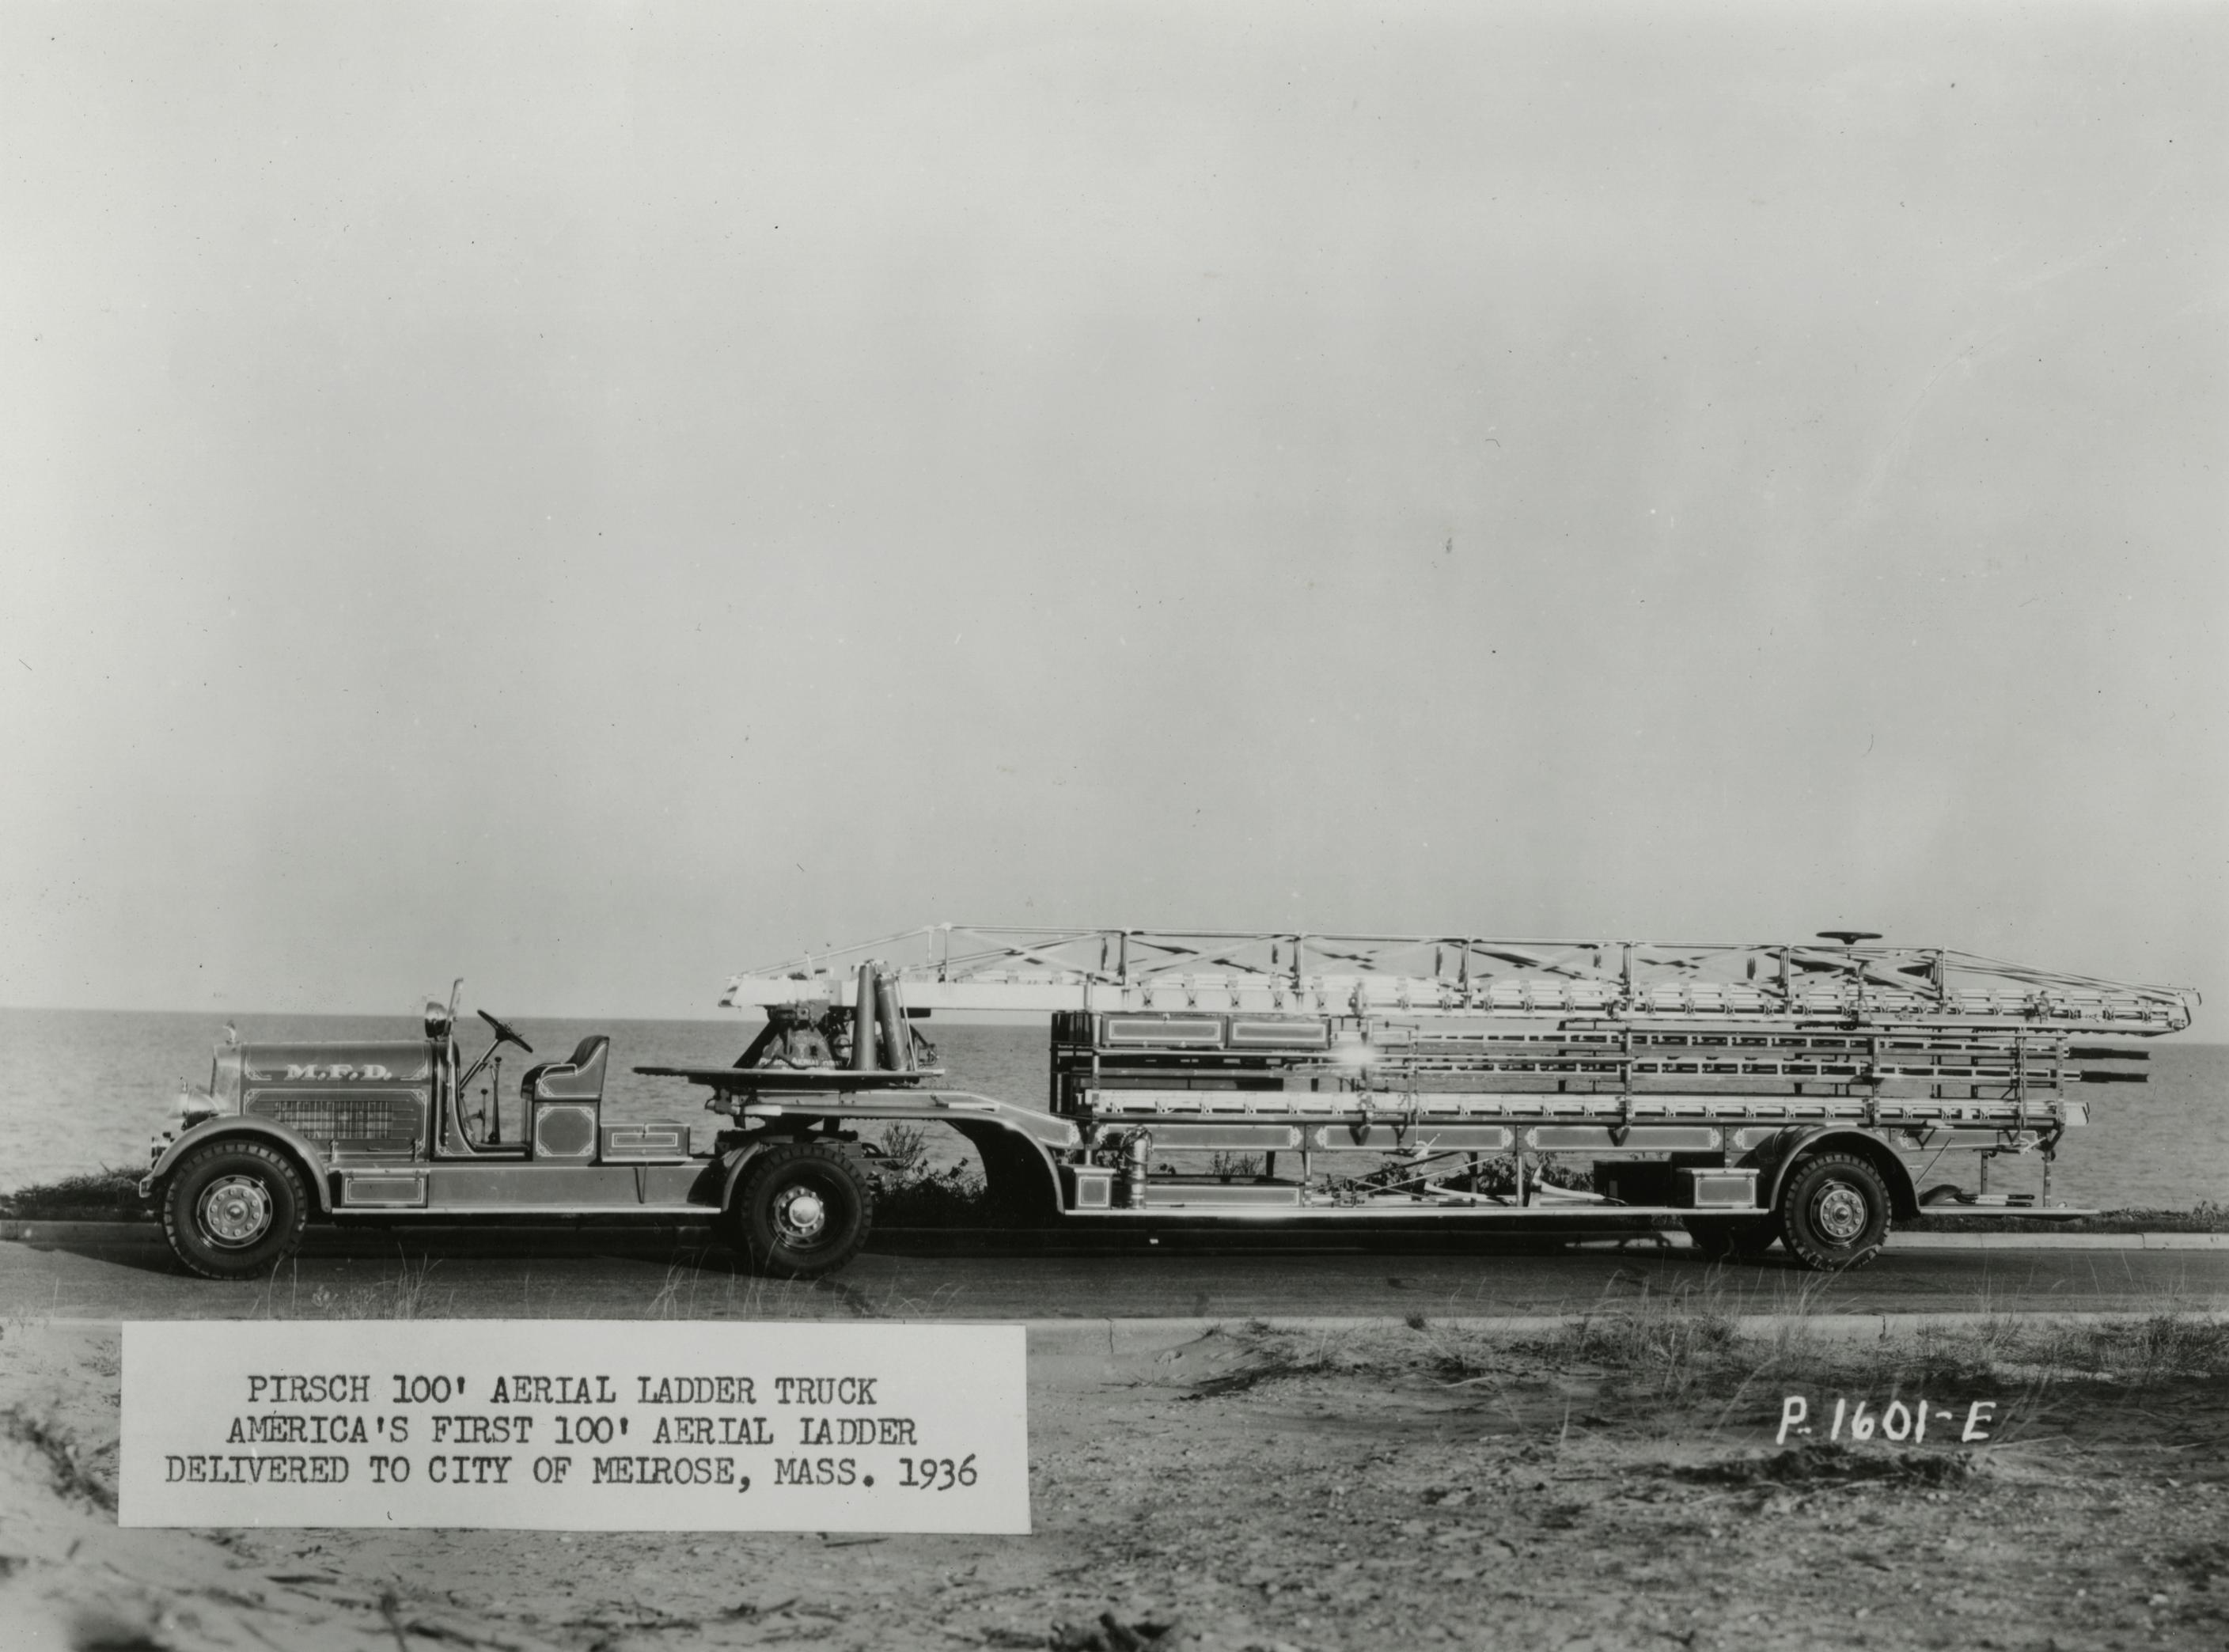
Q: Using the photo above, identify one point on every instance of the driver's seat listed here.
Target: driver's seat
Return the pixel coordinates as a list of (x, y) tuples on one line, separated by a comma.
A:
[(580, 1079)]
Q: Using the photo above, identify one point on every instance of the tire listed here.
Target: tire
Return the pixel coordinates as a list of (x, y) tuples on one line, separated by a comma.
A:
[(1833, 1212), (1744, 1239), (803, 1212), (234, 1208)]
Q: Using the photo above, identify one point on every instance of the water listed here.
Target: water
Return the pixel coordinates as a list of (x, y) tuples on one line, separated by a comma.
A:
[(83, 1089)]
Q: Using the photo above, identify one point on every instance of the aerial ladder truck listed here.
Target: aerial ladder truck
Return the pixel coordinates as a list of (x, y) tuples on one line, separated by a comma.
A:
[(1221, 1083)]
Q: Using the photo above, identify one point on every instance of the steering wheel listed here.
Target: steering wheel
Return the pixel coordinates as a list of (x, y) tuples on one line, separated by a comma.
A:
[(503, 1034)]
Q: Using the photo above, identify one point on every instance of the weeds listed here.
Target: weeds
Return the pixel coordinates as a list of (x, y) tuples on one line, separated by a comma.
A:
[(2208, 1216), (905, 1152), (1827, 1464), (688, 1270), (1460, 1358), (1272, 1356), (1666, 1342), (2202, 1564), (108, 1192), (400, 1296), (910, 1191), (1692, 1345), (2161, 1346), (954, 1197), (72, 1478)]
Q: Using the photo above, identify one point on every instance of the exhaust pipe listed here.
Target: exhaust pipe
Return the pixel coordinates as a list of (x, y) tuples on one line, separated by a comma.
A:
[(897, 1047), (863, 1021)]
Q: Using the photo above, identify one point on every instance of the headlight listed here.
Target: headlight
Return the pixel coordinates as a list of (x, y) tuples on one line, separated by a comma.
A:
[(225, 1075)]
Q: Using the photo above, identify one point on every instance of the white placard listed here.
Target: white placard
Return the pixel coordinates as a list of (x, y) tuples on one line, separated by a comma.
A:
[(576, 1425)]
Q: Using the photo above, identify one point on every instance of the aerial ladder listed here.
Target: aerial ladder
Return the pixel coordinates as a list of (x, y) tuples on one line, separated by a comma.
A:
[(1208, 1080)]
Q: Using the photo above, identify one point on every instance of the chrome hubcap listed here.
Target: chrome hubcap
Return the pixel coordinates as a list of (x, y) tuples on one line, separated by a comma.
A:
[(235, 1211), (1840, 1212), (800, 1215)]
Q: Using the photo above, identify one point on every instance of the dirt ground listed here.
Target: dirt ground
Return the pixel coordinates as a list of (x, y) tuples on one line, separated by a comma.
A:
[(1302, 1490)]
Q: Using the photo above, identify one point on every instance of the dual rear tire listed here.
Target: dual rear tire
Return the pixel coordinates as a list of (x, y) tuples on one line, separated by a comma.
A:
[(1832, 1213), (803, 1210)]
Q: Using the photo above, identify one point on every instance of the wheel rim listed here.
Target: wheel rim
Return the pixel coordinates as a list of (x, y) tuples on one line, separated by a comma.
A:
[(1840, 1212), (236, 1212), (800, 1216)]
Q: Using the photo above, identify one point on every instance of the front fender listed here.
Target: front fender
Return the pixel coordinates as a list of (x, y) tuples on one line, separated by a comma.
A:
[(246, 1127), (739, 1161)]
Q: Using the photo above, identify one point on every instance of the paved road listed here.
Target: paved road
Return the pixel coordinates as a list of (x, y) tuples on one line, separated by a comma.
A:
[(586, 1276)]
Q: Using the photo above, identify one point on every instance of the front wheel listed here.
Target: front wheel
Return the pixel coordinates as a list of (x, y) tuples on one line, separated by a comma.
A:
[(234, 1208), (1833, 1212), (804, 1211)]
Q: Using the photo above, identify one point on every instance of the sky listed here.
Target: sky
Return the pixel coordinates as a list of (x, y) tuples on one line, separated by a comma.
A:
[(594, 498)]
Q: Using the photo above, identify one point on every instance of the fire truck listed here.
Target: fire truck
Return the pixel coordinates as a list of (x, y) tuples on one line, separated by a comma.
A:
[(1798, 1095)]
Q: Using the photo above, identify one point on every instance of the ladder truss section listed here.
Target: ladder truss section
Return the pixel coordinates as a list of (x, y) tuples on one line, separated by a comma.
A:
[(970, 967)]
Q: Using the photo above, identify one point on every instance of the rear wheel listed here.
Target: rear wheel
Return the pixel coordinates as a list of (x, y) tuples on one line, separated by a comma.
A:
[(804, 1211), (234, 1208), (1833, 1212)]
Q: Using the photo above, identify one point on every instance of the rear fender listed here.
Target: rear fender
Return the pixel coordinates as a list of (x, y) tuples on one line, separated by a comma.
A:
[(738, 1166), (241, 1128), (1779, 1159), (1019, 1174), (1015, 1145), (1017, 1171)]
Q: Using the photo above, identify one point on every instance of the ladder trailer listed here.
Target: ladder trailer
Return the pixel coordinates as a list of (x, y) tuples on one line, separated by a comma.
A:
[(1753, 1094), (1750, 1093)]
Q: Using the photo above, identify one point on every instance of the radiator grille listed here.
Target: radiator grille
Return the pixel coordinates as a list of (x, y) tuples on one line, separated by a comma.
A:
[(392, 1119)]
